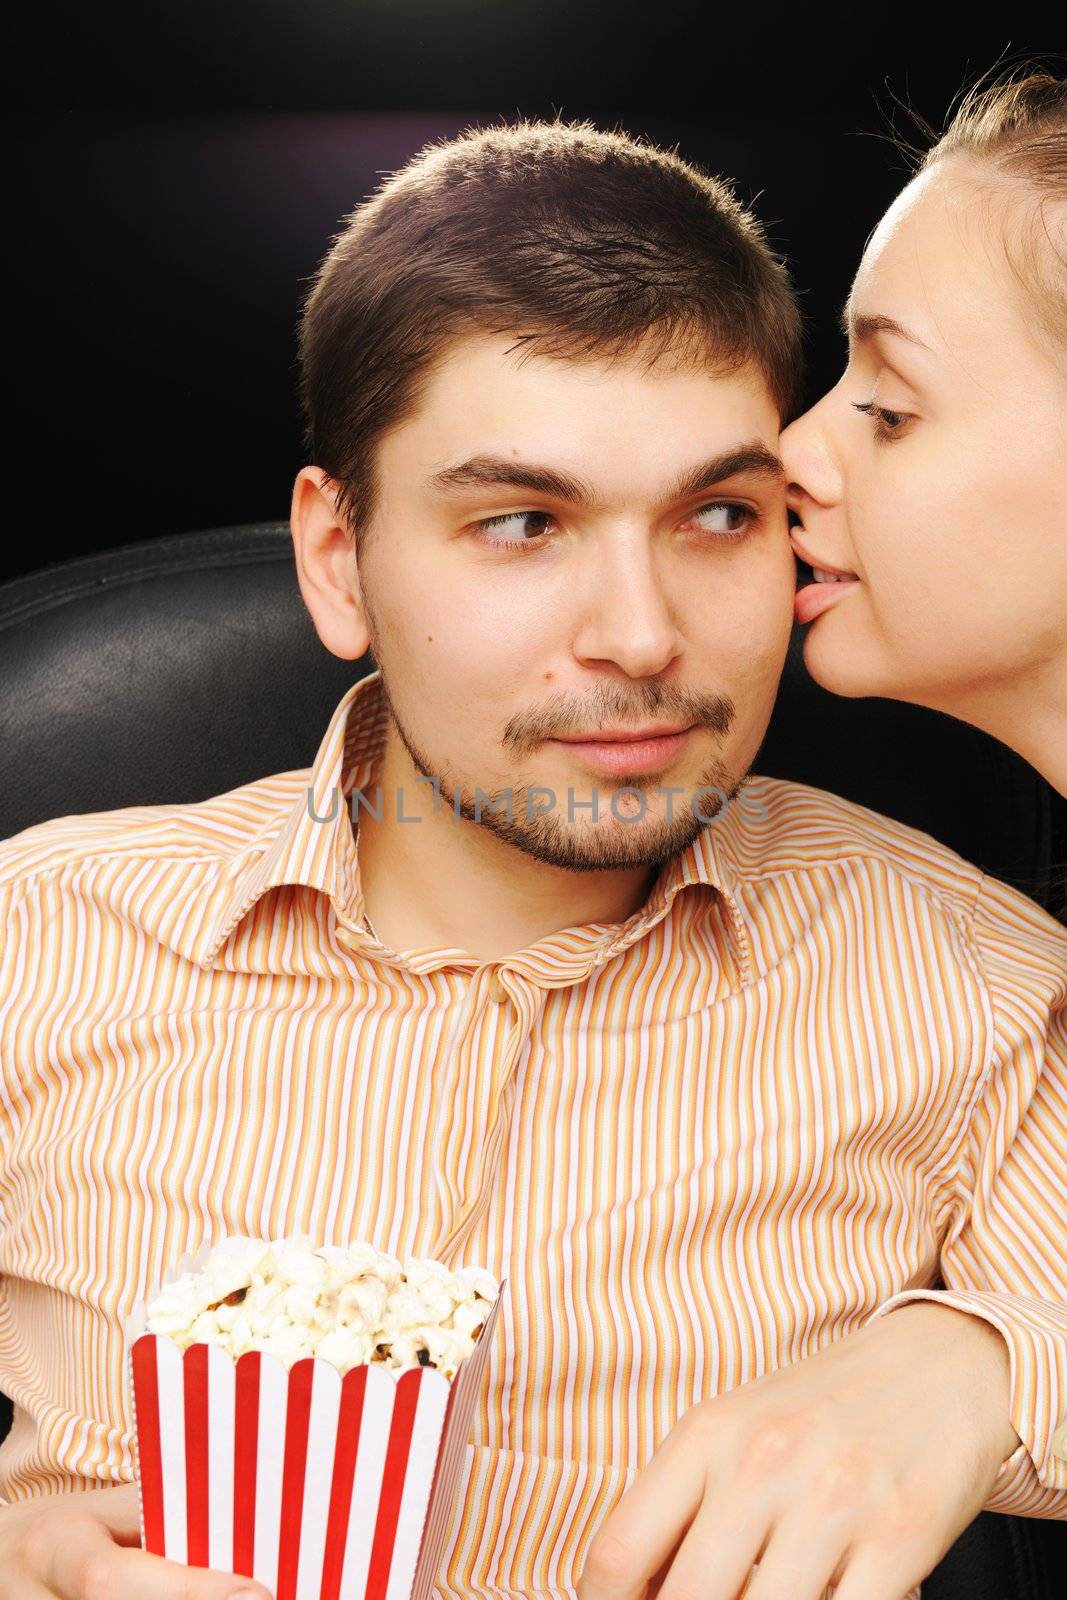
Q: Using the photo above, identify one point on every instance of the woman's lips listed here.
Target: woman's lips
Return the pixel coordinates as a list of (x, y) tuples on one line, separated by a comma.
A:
[(813, 599), (628, 755)]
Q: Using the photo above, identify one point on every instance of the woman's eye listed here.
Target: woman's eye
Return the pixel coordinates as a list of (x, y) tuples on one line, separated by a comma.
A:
[(726, 518), (528, 526), (887, 424)]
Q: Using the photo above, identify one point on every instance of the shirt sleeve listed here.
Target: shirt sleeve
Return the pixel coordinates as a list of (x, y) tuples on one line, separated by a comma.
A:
[(5, 1134), (1004, 1255)]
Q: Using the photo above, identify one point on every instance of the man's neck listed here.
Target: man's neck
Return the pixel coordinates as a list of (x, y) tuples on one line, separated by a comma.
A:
[(443, 880)]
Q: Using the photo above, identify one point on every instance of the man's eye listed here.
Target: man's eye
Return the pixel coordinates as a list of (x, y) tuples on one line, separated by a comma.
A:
[(726, 518), (529, 526), (525, 530)]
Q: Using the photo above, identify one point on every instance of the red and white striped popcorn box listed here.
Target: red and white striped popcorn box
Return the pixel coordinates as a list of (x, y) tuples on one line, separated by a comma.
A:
[(319, 1486)]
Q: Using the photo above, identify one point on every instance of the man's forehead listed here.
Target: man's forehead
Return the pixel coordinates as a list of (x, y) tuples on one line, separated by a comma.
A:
[(517, 361), (749, 459), (578, 430)]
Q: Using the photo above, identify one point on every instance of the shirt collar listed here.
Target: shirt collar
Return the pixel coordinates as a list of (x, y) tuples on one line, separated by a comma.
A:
[(312, 843)]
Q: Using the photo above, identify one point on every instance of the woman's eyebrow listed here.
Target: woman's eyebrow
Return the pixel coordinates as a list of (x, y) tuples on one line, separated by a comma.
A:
[(487, 471), (861, 326)]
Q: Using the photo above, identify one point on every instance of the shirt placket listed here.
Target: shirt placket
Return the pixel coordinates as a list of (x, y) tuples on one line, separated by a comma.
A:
[(492, 986)]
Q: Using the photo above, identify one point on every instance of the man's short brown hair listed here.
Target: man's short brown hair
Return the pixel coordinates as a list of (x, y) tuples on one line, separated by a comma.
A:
[(578, 242)]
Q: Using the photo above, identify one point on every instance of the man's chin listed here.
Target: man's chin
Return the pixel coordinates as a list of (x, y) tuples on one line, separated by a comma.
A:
[(615, 843)]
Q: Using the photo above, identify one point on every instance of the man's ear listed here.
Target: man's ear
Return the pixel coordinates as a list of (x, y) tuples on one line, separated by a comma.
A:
[(326, 566)]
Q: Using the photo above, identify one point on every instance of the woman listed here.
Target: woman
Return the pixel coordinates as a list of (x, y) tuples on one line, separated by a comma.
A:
[(929, 487)]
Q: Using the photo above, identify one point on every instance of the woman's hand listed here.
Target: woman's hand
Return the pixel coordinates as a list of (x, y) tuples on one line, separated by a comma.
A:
[(87, 1546), (858, 1466)]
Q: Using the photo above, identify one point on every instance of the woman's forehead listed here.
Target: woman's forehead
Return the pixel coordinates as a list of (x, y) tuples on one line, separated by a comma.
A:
[(937, 263)]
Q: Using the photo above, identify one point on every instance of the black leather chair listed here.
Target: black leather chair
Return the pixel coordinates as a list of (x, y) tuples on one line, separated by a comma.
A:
[(180, 667)]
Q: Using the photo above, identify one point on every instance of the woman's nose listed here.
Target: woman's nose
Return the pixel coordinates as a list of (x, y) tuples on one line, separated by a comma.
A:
[(805, 449)]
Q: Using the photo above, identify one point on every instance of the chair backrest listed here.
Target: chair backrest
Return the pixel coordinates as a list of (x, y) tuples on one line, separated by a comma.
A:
[(177, 668)]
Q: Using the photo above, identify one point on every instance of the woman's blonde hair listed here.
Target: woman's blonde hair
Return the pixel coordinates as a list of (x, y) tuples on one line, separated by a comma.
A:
[(1014, 124)]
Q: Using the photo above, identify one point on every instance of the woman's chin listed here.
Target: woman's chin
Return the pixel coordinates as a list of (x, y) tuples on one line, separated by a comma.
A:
[(856, 669), (840, 662)]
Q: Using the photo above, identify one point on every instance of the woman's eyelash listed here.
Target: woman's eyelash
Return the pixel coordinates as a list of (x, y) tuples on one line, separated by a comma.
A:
[(887, 424)]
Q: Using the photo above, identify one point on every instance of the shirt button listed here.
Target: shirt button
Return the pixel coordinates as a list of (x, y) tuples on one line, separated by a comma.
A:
[(349, 940), (497, 990), (1059, 1443)]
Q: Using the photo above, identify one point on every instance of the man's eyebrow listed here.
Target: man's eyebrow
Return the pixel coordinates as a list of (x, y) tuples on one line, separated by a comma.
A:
[(497, 471), (861, 326), (754, 459)]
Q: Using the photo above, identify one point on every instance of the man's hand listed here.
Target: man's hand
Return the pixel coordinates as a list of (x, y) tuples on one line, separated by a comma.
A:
[(858, 1466), (87, 1546)]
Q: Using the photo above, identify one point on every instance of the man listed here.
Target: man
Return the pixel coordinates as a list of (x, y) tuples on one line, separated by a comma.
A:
[(719, 1072)]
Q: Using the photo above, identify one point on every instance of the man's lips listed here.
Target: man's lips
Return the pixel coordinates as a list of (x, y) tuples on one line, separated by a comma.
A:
[(627, 755)]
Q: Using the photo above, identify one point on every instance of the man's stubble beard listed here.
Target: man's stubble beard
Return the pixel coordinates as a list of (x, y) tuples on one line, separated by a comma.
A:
[(551, 838)]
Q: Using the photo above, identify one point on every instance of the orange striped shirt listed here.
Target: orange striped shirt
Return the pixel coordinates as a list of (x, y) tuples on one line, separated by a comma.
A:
[(823, 1064)]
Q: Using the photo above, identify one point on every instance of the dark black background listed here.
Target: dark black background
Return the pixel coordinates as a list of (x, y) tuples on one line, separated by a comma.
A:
[(172, 174)]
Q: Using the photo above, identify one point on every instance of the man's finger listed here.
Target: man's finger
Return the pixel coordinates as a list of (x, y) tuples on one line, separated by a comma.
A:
[(118, 1507), (87, 1562), (139, 1576)]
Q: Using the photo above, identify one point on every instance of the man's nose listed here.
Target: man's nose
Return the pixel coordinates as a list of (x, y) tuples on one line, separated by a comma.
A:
[(630, 618)]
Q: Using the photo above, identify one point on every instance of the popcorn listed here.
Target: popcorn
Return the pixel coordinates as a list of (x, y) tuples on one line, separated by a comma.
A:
[(347, 1305), (301, 1413), (346, 1348)]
